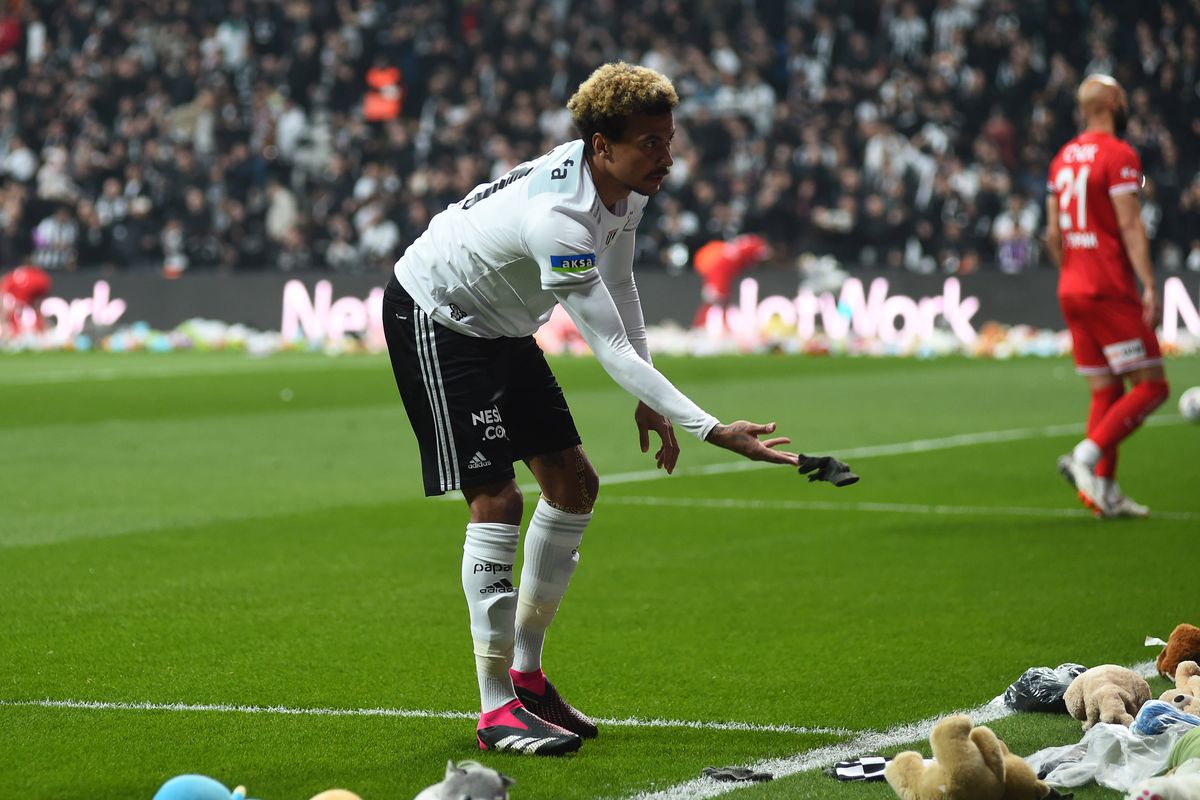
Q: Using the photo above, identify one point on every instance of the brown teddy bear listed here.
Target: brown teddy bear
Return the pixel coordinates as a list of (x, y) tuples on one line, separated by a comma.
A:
[(1186, 694), (1182, 645), (1107, 693), (969, 764)]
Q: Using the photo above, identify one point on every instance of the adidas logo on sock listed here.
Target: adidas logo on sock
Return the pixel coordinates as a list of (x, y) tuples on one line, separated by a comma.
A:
[(502, 586), (478, 460)]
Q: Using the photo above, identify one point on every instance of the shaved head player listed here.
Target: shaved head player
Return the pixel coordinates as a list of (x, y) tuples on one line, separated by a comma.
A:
[(1095, 233)]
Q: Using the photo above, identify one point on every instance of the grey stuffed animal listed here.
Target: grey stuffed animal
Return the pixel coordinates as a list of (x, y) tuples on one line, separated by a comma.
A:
[(469, 780)]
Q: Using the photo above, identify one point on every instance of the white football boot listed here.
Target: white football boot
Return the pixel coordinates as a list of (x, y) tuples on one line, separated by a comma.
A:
[(1122, 506), (1086, 484)]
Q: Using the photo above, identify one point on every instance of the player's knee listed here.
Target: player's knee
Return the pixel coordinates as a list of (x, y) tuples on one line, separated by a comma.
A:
[(574, 490), (588, 480), (590, 483), (499, 504)]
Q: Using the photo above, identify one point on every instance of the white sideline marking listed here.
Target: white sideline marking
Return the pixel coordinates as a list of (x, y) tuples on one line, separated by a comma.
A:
[(894, 449), (866, 743), (412, 713), (887, 508)]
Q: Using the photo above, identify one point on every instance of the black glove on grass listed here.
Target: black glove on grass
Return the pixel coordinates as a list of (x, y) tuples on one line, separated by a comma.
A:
[(737, 774), (827, 468)]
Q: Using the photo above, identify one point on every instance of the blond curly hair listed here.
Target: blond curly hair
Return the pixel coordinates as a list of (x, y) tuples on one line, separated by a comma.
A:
[(612, 93)]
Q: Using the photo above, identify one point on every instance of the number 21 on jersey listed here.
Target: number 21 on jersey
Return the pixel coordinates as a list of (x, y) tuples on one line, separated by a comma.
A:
[(1071, 188)]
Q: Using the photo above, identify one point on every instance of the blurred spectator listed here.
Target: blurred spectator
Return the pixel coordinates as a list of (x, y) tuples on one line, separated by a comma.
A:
[(380, 238), (19, 162), (54, 240), (323, 134), (283, 213), (341, 254), (1015, 233)]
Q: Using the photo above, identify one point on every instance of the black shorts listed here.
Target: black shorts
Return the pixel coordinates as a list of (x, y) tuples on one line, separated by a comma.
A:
[(476, 405)]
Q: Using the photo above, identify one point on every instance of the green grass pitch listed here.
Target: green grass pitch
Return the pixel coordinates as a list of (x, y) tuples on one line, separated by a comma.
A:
[(212, 530)]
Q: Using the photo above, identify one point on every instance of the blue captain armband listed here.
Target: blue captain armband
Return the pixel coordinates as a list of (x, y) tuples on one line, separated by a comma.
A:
[(576, 263)]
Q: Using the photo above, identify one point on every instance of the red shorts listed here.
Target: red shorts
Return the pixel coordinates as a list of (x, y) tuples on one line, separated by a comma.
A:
[(1109, 335)]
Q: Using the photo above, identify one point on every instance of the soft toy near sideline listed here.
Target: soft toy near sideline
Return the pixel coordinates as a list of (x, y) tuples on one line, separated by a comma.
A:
[(1182, 645), (471, 780), (969, 764), (1107, 693), (197, 787), (1182, 783), (1186, 694)]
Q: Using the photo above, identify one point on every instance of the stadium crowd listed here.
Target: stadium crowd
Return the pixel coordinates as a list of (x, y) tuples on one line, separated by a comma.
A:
[(296, 134)]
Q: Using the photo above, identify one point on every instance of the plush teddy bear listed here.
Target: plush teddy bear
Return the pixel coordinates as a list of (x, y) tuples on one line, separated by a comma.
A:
[(469, 780), (1107, 693), (1020, 781), (1182, 645), (1186, 694), (969, 764), (1180, 784)]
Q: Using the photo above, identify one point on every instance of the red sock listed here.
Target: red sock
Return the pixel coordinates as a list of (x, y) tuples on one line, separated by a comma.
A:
[(1102, 401), (534, 681), (1128, 413)]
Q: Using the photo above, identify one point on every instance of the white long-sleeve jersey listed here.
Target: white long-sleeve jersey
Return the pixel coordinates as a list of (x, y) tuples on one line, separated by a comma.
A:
[(496, 263)]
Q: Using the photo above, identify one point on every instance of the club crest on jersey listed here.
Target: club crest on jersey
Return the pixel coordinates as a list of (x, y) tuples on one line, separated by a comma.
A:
[(609, 237), (577, 263)]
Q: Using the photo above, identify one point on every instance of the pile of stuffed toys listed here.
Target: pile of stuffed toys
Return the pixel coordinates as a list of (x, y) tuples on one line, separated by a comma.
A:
[(1148, 748)]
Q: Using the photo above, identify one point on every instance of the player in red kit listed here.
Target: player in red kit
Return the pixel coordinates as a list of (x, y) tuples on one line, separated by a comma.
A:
[(1094, 233), (20, 292)]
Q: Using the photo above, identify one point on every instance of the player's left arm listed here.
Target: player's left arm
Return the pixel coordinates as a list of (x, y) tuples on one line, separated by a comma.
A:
[(1053, 231), (1137, 245), (616, 270), (1124, 179), (615, 266)]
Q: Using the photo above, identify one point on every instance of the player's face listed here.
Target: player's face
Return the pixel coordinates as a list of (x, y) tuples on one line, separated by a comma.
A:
[(642, 159)]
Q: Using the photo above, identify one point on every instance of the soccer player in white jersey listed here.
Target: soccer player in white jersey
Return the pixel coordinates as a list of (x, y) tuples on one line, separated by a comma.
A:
[(459, 316)]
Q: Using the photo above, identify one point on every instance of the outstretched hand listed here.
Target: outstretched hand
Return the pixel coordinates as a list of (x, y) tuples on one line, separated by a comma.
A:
[(647, 420), (741, 437)]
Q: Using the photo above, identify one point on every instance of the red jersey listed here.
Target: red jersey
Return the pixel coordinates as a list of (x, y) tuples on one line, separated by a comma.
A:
[(1084, 176)]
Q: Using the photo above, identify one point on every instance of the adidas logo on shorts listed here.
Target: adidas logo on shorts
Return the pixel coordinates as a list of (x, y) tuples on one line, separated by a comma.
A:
[(502, 586), (478, 460)]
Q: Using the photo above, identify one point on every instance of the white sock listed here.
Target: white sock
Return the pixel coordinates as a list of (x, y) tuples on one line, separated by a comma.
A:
[(1107, 486), (487, 571), (551, 554), (1087, 453)]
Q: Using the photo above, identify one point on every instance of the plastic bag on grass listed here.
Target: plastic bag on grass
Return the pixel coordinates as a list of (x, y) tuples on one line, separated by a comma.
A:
[(1042, 688), (1111, 755)]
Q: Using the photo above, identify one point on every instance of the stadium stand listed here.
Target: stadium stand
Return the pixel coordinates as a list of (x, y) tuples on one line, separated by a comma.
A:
[(323, 134)]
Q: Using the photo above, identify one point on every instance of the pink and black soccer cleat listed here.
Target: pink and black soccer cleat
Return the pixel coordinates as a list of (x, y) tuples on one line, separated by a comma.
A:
[(513, 728), (538, 695)]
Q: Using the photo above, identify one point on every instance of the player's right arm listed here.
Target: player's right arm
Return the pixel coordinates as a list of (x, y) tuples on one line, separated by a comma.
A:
[(1137, 246), (563, 250), (595, 315)]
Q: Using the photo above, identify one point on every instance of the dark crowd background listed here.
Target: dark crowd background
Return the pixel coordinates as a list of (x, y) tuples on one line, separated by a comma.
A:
[(324, 134)]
